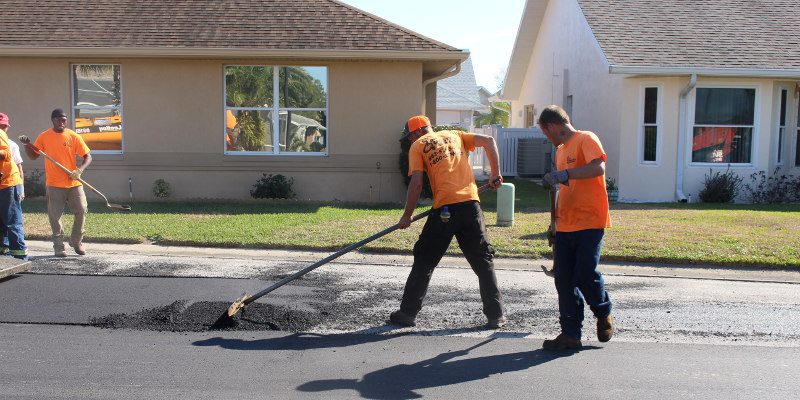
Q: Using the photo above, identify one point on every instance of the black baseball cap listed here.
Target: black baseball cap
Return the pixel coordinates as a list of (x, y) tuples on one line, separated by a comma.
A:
[(58, 113)]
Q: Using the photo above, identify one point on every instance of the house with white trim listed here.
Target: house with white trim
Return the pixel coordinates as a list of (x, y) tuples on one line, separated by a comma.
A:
[(211, 94), (674, 89)]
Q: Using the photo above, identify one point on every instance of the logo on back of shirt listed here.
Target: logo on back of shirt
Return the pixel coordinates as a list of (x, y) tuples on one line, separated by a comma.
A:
[(437, 149)]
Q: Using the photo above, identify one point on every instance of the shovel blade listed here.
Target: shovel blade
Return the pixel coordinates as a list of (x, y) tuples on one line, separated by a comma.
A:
[(118, 207), (237, 305)]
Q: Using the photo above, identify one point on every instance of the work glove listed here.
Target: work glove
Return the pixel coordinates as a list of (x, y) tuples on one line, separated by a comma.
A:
[(76, 174), (552, 179), (24, 139)]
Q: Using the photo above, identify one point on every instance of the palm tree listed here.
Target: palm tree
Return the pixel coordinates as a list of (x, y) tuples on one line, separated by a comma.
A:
[(249, 86), (497, 115)]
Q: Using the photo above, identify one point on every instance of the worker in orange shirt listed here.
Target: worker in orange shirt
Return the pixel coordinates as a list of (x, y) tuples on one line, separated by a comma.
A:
[(63, 145), (231, 132), (581, 219), (456, 212), (11, 194)]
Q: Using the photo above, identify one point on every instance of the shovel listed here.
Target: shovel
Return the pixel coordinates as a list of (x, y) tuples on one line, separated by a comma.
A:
[(117, 207), (551, 232), (227, 318)]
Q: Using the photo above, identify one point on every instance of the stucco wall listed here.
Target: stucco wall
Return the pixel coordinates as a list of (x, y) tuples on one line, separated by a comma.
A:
[(173, 128), (656, 182), (565, 42)]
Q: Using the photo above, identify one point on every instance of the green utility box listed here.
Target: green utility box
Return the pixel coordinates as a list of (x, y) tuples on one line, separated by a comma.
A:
[(505, 205)]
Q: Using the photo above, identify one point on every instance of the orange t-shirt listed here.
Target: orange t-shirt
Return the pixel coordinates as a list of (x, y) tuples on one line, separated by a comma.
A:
[(11, 176), (583, 204), (443, 155), (230, 123), (62, 147)]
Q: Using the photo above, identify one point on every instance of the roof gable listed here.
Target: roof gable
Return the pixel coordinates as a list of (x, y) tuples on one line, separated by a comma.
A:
[(726, 34), (210, 24), (459, 92)]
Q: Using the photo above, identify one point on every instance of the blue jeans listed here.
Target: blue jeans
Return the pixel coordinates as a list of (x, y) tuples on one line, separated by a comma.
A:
[(577, 279), (13, 236)]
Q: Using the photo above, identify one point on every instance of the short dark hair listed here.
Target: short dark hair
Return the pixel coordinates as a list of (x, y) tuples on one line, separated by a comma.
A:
[(553, 115)]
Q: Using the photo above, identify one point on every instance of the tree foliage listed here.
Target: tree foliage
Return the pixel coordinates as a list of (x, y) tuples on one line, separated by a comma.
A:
[(497, 115)]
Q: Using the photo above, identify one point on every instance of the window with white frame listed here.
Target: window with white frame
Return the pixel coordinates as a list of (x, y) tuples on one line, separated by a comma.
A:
[(782, 124), (797, 137), (97, 106), (724, 121), (276, 109), (650, 129)]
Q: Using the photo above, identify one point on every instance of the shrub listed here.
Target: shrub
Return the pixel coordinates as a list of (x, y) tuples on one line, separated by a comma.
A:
[(34, 187), (778, 188), (438, 128), (161, 189), (720, 187), (611, 184), (273, 187)]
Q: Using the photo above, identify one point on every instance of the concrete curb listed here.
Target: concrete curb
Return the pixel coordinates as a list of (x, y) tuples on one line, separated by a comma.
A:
[(403, 260)]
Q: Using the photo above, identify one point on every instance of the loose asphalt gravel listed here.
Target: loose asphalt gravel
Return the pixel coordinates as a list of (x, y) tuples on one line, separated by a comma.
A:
[(115, 288)]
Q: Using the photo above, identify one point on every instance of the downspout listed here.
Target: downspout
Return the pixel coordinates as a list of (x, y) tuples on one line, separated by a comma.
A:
[(683, 112), (450, 72)]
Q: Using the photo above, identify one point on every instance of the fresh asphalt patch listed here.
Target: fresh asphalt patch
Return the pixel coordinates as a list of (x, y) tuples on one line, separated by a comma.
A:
[(183, 293)]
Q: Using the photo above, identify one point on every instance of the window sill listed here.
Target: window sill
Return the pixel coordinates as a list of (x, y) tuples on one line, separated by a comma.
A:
[(721, 165), (256, 156), (107, 156)]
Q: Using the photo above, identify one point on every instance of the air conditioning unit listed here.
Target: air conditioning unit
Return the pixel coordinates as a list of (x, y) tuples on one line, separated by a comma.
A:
[(534, 157)]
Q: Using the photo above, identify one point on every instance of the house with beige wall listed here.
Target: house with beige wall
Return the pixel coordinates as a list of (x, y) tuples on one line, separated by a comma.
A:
[(209, 95), (673, 89)]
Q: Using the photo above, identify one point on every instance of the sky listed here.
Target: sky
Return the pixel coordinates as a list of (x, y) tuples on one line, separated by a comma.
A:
[(487, 28)]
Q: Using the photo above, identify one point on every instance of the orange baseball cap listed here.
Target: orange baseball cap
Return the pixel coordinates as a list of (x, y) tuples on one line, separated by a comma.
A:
[(417, 122)]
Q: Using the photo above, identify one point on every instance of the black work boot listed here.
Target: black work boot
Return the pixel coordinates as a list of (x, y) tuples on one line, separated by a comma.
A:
[(497, 323), (561, 342), (605, 328), (400, 318)]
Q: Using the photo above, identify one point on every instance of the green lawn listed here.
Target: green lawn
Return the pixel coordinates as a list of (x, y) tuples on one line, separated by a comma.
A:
[(742, 235)]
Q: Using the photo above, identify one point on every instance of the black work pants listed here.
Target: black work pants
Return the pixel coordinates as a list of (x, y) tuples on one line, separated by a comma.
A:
[(466, 224)]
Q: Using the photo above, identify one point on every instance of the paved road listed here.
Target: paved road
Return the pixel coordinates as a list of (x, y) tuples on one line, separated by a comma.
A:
[(89, 363), (709, 334)]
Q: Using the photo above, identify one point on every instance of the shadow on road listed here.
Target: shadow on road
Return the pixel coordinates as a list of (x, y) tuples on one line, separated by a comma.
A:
[(308, 341), (401, 381)]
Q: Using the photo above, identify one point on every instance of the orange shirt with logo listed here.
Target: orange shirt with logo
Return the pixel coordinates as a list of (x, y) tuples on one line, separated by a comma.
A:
[(583, 204), (443, 155), (8, 167), (62, 147)]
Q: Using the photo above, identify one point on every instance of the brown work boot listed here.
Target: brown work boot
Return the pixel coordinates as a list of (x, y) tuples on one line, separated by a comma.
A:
[(78, 247), (561, 342), (605, 328), (400, 318)]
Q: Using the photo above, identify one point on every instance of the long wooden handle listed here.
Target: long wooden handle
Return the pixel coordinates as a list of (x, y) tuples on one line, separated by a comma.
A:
[(67, 170), (336, 255)]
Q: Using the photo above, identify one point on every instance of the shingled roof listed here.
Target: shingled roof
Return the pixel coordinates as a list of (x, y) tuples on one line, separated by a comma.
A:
[(208, 24), (742, 34), (459, 92)]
